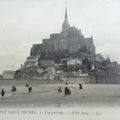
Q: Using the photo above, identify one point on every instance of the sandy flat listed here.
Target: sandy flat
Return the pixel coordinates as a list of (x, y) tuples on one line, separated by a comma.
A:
[(46, 95)]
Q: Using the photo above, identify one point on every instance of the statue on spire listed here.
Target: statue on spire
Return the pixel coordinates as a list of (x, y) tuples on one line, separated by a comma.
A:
[(66, 11)]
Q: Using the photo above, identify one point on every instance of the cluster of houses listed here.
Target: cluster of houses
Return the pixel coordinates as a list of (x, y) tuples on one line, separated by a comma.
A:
[(49, 69), (35, 68)]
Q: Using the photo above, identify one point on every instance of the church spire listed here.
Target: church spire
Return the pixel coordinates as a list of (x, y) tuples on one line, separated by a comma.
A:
[(66, 11), (65, 25)]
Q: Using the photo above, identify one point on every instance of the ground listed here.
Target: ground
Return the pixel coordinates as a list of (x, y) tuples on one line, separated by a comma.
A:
[(46, 95)]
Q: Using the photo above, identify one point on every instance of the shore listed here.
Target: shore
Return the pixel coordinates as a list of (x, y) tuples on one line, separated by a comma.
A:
[(46, 95)]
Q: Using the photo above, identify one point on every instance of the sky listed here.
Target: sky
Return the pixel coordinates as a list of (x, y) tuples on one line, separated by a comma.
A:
[(26, 22)]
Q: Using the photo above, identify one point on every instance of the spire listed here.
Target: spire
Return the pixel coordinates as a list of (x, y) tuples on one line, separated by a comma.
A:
[(65, 25), (66, 11)]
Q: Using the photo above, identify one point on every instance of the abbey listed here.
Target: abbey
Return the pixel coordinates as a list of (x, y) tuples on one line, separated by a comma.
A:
[(66, 56), (70, 42)]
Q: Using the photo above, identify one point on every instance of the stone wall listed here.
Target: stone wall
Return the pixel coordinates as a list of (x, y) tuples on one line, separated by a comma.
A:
[(80, 79), (96, 79), (107, 79)]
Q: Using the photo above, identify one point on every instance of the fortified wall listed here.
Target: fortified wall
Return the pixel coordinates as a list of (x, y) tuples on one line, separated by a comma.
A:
[(92, 79)]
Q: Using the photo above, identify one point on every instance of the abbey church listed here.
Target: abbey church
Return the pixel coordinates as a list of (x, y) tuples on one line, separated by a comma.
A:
[(70, 42)]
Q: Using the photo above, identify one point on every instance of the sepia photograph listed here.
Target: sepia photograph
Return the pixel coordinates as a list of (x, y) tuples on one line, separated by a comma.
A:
[(60, 59)]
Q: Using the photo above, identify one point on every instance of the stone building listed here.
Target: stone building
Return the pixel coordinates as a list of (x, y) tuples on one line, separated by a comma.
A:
[(74, 61), (8, 75), (47, 63), (31, 61), (70, 42)]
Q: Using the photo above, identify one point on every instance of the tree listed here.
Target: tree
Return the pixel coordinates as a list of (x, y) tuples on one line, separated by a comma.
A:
[(87, 63)]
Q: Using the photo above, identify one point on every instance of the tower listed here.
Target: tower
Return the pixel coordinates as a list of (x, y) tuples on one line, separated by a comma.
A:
[(65, 25)]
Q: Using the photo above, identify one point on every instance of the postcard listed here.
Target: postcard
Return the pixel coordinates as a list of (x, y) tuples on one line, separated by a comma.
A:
[(59, 60)]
